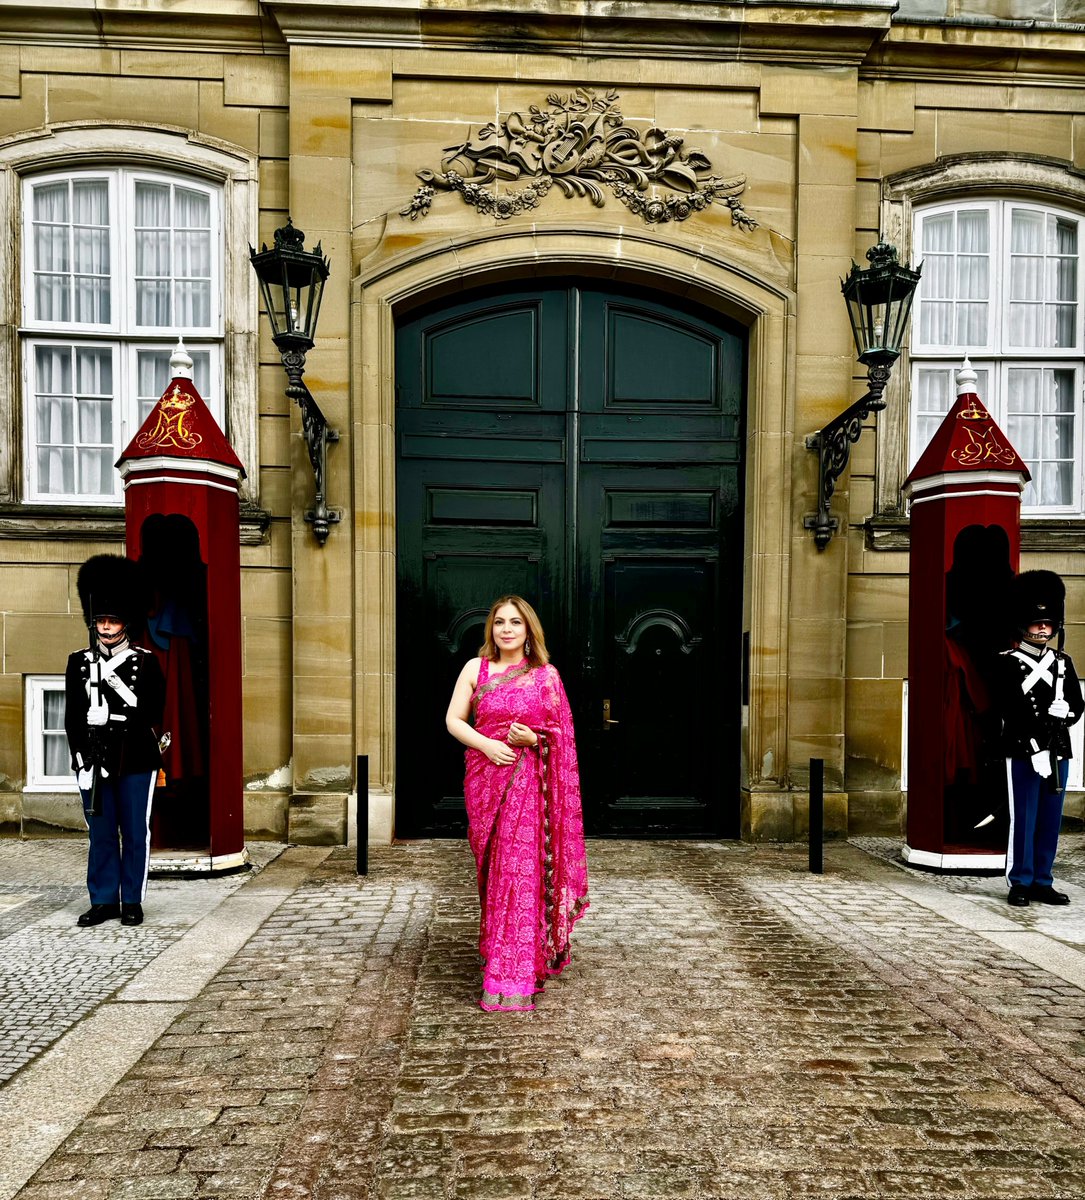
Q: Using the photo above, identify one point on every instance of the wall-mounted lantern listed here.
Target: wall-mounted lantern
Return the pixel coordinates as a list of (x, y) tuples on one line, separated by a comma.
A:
[(879, 299), (292, 284)]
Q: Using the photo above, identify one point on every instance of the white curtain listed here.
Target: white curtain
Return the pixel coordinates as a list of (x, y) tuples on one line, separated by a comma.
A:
[(956, 252), (153, 374), (152, 239), (74, 420), (1043, 280), (173, 256), (1041, 424), (54, 741), (71, 252), (193, 242)]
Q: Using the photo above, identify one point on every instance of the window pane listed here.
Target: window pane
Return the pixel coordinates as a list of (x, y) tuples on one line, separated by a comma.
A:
[(52, 298), (90, 202), (1026, 277), (973, 231), (51, 248), (953, 306), (936, 323), (1042, 426), (94, 370), (152, 205), (56, 759), (933, 395), (194, 305), (971, 325), (51, 202), (173, 257), (153, 303), (56, 420), (193, 255), (56, 470), (193, 209), (938, 234), (95, 472), (71, 252), (53, 710), (1042, 281), (153, 374), (95, 422), (1026, 232), (73, 425), (153, 254)]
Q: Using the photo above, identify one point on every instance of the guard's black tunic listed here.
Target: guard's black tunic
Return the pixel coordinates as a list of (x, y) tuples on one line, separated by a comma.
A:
[(128, 743), (1027, 728)]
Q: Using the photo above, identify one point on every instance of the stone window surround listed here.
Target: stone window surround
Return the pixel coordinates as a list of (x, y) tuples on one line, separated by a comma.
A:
[(157, 147), (966, 176), (384, 293)]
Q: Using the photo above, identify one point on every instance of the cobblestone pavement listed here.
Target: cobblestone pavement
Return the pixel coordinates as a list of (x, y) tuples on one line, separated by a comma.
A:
[(731, 1026), (51, 972)]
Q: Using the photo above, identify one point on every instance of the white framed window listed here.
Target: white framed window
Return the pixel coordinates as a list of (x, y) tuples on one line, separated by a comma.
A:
[(117, 263), (48, 760), (1002, 285)]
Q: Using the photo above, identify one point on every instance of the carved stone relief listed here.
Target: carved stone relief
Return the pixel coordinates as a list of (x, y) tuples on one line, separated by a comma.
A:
[(582, 144)]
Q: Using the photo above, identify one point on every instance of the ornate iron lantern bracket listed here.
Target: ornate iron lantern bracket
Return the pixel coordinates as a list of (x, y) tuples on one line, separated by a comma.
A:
[(833, 444), (318, 436), (292, 283), (879, 300)]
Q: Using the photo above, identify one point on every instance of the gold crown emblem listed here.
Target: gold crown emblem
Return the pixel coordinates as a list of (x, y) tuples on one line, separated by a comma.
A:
[(170, 429), (974, 412), (177, 401)]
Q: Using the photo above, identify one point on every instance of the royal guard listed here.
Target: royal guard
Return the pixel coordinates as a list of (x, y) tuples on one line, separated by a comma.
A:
[(114, 696), (1039, 699)]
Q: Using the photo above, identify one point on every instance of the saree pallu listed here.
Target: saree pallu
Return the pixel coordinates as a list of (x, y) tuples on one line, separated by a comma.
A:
[(526, 831)]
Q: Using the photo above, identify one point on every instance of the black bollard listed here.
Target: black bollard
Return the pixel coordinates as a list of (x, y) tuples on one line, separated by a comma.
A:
[(363, 814), (817, 812)]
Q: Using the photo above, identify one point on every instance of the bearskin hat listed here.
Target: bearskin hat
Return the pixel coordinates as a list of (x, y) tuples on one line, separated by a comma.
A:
[(112, 585), (1038, 596)]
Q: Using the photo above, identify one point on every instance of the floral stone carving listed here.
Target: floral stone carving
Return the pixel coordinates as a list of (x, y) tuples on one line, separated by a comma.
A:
[(582, 144)]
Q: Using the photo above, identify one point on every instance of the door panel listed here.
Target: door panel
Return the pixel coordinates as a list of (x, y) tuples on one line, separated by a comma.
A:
[(652, 649), (581, 447)]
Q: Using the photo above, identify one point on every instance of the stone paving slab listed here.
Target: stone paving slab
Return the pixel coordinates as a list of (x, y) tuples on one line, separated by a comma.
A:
[(48, 1098), (53, 973), (731, 1026)]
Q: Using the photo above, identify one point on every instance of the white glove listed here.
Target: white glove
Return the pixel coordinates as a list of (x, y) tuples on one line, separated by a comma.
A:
[(1059, 708), (98, 714), (1041, 763), (85, 778)]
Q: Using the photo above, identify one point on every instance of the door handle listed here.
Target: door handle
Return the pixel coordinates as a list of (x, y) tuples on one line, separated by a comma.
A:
[(607, 722)]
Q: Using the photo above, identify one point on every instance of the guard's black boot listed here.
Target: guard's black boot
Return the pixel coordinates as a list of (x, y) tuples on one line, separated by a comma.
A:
[(1018, 896), (97, 913), (1046, 894), (131, 914)]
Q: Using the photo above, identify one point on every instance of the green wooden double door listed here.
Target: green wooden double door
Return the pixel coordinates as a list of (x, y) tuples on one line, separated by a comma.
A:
[(581, 447)]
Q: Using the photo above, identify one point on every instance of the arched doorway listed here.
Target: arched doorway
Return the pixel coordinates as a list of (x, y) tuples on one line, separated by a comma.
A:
[(581, 445)]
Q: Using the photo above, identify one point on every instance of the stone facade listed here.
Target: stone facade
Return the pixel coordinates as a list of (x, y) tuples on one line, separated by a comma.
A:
[(841, 118)]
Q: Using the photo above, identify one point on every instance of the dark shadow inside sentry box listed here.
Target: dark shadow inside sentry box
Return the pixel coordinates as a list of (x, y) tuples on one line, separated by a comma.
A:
[(965, 547), (182, 522)]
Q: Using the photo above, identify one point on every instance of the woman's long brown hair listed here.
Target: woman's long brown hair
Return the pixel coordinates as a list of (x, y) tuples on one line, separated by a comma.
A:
[(538, 656)]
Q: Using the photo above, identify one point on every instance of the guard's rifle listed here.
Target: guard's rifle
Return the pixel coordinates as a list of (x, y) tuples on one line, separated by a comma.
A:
[(94, 741)]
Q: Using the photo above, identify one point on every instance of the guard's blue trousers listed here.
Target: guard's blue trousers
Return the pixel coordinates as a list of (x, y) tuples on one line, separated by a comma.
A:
[(1035, 818), (120, 839)]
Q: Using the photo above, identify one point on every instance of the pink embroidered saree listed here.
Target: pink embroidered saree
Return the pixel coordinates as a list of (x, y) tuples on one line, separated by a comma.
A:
[(527, 834)]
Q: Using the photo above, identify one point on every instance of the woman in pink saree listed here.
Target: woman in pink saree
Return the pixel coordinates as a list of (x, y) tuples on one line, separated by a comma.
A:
[(525, 826)]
